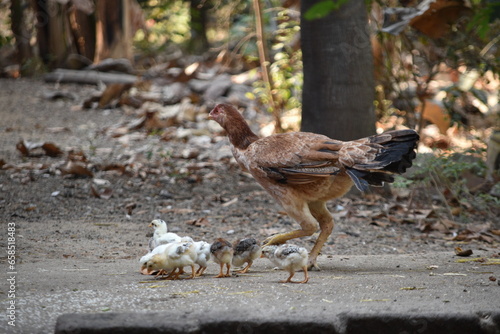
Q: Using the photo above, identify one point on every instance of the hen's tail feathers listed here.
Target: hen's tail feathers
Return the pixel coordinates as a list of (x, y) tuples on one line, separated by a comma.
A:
[(396, 152)]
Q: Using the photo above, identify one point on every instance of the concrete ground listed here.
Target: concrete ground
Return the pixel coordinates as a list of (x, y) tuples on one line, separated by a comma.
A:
[(417, 293)]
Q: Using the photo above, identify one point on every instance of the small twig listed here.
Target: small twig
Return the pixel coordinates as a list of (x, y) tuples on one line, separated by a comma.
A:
[(435, 181), (264, 63)]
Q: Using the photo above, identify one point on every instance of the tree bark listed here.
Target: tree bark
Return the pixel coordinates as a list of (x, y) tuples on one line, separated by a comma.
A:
[(113, 30), (199, 17), (338, 91), (19, 29)]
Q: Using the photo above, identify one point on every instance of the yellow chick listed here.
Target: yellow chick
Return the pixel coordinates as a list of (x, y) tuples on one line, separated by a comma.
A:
[(144, 260), (245, 251), (176, 256)]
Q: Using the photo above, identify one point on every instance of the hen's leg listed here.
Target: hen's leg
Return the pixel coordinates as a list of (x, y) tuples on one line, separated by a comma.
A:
[(325, 219), (301, 214)]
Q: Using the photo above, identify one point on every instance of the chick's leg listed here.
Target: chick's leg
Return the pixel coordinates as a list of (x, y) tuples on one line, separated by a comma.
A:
[(175, 275), (325, 219), (193, 272), (300, 213), (228, 274), (306, 276), (221, 274), (289, 279), (200, 271), (244, 270)]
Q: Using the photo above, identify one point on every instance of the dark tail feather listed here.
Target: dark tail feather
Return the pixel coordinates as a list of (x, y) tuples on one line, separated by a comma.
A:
[(363, 179), (395, 156)]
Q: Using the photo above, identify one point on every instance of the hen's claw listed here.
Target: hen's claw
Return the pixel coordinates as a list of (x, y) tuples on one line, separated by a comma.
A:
[(313, 265)]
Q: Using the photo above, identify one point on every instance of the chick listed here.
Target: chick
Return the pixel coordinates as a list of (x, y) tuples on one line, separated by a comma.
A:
[(182, 255), (288, 257), (144, 260), (159, 263), (245, 251), (202, 249), (176, 256), (222, 251), (161, 235)]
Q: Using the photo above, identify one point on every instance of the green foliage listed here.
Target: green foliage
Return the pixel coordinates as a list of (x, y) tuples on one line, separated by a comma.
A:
[(402, 182), (322, 9), (6, 40), (483, 16), (413, 59), (168, 23), (448, 173), (286, 68)]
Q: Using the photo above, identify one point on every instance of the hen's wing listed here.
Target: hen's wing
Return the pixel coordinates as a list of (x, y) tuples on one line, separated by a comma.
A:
[(293, 158), (302, 158)]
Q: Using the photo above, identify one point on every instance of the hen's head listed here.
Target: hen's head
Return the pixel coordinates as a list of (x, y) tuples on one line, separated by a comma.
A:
[(239, 133), (223, 113)]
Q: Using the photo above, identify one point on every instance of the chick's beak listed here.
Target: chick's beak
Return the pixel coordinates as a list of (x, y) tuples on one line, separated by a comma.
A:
[(150, 225)]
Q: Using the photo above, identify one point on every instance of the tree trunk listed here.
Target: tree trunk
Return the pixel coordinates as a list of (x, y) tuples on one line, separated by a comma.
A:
[(338, 89), (55, 43), (199, 41), (19, 29), (113, 30)]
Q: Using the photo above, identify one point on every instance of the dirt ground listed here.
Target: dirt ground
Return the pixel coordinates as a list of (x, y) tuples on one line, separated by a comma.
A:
[(203, 195)]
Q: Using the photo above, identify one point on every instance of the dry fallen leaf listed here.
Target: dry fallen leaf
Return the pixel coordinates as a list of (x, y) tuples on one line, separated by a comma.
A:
[(130, 207), (52, 150), (76, 168), (104, 193), (463, 252), (113, 92), (29, 148), (199, 222)]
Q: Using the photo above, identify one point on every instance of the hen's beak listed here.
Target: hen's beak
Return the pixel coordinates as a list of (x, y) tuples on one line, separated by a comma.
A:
[(210, 116)]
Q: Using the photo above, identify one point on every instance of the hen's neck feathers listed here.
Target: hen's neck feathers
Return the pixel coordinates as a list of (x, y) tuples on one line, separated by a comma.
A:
[(239, 133)]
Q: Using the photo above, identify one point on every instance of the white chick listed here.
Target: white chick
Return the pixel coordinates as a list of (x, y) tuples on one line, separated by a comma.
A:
[(288, 257), (202, 249), (186, 239), (181, 255), (161, 235), (245, 251), (222, 252)]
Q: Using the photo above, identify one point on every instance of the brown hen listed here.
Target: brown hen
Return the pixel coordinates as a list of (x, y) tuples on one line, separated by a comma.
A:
[(303, 170)]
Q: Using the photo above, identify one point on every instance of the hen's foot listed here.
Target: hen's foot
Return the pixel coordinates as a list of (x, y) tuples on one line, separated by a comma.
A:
[(273, 240), (313, 265)]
